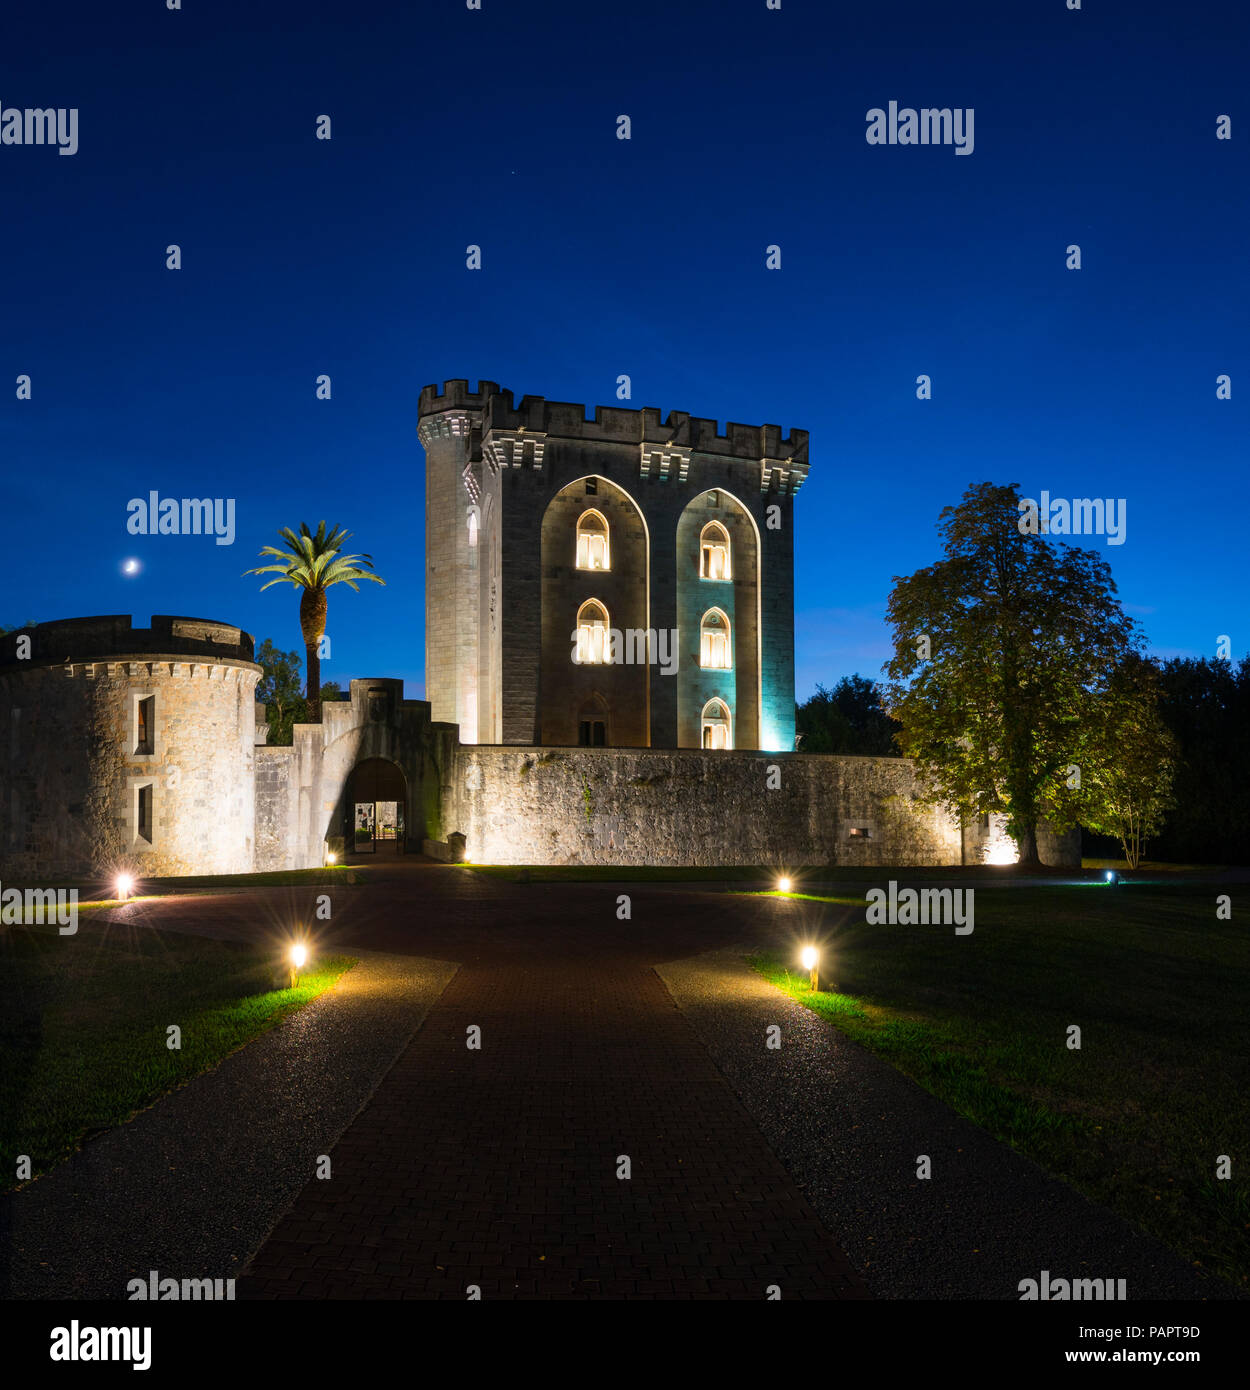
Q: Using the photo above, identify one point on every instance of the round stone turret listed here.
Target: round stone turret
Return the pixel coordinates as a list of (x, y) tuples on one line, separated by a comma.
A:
[(126, 749)]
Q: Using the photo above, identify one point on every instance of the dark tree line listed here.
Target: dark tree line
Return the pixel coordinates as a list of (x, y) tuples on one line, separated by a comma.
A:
[(849, 719), (1206, 705)]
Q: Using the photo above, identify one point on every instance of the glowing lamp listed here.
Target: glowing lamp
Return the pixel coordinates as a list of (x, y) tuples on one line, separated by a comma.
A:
[(783, 885), (810, 957), (299, 954), (1111, 876), (331, 857), (125, 885)]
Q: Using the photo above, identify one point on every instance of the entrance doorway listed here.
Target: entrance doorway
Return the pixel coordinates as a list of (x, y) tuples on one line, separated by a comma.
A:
[(376, 799)]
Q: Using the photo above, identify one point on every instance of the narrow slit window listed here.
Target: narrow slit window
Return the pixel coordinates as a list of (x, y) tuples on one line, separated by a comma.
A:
[(145, 725), (143, 813)]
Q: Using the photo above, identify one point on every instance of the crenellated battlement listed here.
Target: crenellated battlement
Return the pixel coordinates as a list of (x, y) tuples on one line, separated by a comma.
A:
[(97, 640), (614, 424)]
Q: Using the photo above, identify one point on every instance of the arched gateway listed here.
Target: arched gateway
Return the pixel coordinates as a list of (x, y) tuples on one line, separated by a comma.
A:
[(376, 802)]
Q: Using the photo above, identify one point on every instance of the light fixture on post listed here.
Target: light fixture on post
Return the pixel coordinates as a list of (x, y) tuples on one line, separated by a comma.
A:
[(810, 957), (299, 954)]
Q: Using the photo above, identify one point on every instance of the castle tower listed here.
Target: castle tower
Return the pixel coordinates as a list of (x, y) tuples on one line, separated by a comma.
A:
[(129, 749), (659, 549), (461, 564)]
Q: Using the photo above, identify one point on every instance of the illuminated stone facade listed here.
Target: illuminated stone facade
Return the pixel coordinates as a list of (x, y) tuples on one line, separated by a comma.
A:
[(688, 537), (127, 748), (610, 680)]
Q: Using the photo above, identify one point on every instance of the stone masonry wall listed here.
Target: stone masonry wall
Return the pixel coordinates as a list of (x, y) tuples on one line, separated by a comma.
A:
[(72, 769), (692, 807), (512, 461)]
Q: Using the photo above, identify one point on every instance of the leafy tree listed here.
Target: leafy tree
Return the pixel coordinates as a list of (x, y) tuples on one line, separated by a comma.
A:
[(279, 690), (850, 718), (1002, 650), (1125, 766), (312, 563)]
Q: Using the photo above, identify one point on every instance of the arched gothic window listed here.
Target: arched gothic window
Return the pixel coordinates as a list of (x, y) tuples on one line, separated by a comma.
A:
[(593, 645), (592, 541), (717, 730), (714, 552), (715, 648)]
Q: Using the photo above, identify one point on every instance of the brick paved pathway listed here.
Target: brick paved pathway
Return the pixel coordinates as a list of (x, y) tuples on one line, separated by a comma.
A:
[(498, 1167)]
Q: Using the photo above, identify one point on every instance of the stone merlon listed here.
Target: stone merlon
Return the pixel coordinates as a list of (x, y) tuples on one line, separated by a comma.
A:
[(493, 409)]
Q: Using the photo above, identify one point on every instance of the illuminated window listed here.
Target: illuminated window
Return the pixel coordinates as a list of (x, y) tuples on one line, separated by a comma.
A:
[(593, 645), (592, 541), (716, 725), (473, 524), (145, 724), (715, 650), (714, 552)]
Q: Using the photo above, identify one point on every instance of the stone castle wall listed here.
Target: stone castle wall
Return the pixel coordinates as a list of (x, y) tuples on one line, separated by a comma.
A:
[(304, 793), (73, 765), (76, 778), (510, 462), (686, 807)]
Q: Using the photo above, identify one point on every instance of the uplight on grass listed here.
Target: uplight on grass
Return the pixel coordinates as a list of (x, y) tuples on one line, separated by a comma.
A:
[(125, 886), (810, 958), (298, 957), (783, 885)]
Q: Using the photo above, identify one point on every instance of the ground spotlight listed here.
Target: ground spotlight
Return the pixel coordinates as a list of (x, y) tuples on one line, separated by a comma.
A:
[(125, 886), (299, 956), (810, 958), (1111, 876), (783, 885)]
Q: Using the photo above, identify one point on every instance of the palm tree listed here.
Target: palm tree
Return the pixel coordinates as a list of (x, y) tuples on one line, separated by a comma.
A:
[(313, 563)]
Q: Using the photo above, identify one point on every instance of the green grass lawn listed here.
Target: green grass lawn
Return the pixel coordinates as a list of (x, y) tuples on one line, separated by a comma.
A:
[(1137, 1117), (83, 1024)]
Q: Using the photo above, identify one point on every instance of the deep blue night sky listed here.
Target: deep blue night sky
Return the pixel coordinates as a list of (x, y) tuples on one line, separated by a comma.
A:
[(604, 257)]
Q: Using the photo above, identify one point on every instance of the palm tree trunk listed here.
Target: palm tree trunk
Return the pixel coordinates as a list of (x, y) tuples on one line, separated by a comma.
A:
[(312, 621)]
